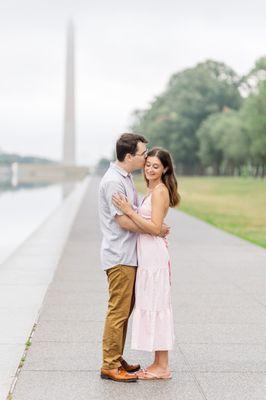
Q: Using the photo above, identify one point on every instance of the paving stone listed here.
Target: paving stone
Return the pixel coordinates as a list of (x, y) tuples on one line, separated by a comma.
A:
[(254, 284), (74, 312), (71, 275), (204, 287), (11, 355), (77, 356), (81, 286), (74, 297), (225, 357), (24, 295), (18, 325), (25, 277), (261, 298), (234, 315), (5, 387), (231, 386), (69, 331), (47, 385), (203, 333), (210, 300)]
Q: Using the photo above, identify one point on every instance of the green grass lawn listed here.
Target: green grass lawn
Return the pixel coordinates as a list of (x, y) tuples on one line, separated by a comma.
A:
[(237, 205)]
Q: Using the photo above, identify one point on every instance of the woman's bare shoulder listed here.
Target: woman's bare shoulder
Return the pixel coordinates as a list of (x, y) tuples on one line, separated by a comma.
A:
[(161, 192)]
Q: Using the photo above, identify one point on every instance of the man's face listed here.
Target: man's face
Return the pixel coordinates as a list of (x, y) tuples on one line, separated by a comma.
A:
[(138, 160)]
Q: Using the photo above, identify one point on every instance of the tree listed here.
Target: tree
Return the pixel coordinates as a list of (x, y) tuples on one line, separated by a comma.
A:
[(235, 143), (191, 96), (210, 149), (224, 143), (255, 119)]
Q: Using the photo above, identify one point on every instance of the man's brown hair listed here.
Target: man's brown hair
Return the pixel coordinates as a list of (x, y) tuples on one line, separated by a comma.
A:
[(128, 143)]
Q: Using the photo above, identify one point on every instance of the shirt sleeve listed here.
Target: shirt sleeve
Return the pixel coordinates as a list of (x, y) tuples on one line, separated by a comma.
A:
[(112, 188)]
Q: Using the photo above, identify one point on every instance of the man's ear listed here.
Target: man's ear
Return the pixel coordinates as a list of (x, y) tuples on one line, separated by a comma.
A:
[(128, 157)]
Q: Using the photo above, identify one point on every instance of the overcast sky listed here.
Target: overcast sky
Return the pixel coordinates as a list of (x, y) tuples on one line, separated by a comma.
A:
[(126, 52)]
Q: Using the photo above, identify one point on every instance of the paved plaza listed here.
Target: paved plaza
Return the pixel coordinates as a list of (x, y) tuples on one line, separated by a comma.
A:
[(219, 302)]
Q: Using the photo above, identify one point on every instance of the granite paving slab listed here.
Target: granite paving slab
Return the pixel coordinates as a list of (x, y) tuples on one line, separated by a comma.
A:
[(232, 386), (83, 385), (226, 357), (206, 333)]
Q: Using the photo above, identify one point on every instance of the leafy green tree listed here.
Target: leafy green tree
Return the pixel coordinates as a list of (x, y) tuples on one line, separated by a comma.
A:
[(254, 114), (210, 147), (191, 96), (235, 143), (224, 143)]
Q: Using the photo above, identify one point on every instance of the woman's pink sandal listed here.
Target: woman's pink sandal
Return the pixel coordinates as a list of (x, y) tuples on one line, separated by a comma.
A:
[(144, 374)]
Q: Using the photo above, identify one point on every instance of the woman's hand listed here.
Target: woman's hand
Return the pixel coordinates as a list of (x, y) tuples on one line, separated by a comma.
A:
[(122, 203)]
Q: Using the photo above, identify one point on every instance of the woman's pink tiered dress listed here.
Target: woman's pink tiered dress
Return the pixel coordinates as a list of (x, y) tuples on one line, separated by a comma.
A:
[(152, 320)]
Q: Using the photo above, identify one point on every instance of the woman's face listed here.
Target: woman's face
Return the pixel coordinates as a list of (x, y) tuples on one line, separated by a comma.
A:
[(153, 168)]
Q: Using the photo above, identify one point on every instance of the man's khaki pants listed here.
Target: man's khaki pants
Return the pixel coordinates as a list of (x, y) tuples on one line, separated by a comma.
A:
[(121, 280)]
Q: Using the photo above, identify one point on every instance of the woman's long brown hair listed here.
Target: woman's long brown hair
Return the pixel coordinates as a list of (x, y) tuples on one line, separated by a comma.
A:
[(168, 177)]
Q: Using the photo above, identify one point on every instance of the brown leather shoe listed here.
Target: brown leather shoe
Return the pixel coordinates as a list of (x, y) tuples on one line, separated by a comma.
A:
[(128, 367), (119, 375)]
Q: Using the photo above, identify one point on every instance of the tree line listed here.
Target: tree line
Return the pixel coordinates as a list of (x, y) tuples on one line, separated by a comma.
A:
[(10, 158), (211, 119)]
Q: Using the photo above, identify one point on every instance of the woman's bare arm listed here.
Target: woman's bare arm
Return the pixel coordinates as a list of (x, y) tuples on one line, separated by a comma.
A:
[(126, 223), (159, 207)]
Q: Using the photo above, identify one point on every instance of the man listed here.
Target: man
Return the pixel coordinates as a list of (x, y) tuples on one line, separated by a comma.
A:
[(119, 255)]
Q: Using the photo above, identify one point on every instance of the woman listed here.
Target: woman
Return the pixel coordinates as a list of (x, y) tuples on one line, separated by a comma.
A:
[(152, 328)]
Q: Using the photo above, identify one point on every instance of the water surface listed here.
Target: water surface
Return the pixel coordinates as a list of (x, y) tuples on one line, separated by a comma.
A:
[(23, 209)]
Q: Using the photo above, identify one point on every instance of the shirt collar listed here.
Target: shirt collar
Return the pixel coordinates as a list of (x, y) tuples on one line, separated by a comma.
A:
[(120, 170)]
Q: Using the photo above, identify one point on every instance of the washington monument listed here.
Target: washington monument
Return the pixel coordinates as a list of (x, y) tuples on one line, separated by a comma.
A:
[(69, 150)]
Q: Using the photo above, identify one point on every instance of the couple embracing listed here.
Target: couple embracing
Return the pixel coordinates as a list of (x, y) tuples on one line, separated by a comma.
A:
[(135, 257)]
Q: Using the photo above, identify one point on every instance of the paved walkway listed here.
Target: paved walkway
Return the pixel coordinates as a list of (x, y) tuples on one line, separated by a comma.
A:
[(219, 299), (24, 278)]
